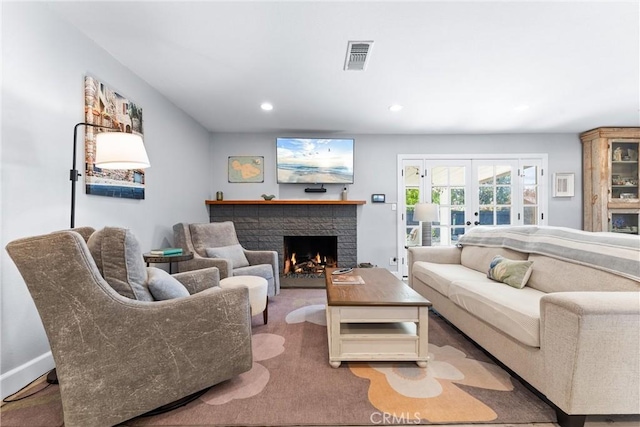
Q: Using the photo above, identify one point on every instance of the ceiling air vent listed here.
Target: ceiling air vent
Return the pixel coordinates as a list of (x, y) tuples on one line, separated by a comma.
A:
[(358, 54)]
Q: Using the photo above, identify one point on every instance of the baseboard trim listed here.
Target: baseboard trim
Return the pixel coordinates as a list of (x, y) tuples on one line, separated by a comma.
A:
[(17, 378)]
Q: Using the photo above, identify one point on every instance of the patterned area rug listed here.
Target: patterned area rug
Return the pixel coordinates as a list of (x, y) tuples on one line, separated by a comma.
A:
[(292, 384)]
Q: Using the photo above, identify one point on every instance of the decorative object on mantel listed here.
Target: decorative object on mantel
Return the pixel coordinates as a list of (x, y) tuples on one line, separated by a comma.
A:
[(246, 169), (269, 197), (104, 108)]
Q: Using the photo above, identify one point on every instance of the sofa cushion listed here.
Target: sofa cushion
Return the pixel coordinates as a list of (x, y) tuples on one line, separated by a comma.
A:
[(516, 312), (555, 275), (261, 270), (440, 276), (163, 286), (234, 253), (510, 272), (118, 256), (479, 258)]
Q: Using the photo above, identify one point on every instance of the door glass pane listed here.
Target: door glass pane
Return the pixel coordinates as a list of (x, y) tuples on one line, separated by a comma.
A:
[(503, 175), (530, 195), (503, 216), (457, 196), (486, 215), (457, 176), (412, 176), (530, 174), (503, 195), (439, 175), (440, 195), (485, 196), (530, 215), (456, 232), (485, 175), (457, 216)]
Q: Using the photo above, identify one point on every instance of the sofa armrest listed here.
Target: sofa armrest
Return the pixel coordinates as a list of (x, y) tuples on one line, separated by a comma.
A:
[(591, 342), (198, 280), (198, 262), (437, 254)]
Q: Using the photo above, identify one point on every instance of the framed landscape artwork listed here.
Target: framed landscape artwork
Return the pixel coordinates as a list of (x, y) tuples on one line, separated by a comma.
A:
[(105, 107)]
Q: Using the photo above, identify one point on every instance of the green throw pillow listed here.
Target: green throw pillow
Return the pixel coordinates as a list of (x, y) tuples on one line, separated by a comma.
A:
[(513, 273)]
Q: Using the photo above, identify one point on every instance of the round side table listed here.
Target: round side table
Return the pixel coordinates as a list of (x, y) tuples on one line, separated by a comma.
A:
[(161, 259)]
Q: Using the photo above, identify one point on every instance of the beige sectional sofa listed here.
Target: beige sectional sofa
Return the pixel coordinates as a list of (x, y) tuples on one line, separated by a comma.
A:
[(573, 332)]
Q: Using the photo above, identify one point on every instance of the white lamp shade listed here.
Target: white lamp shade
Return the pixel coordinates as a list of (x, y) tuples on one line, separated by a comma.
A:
[(426, 212), (120, 150)]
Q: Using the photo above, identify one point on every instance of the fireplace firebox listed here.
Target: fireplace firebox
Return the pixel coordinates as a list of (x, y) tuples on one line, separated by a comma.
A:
[(309, 255)]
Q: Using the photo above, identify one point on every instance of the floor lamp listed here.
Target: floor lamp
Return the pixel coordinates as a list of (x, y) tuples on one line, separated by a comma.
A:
[(426, 213), (114, 150)]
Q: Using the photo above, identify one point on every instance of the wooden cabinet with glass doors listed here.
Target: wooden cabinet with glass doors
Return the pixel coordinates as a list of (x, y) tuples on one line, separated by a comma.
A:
[(611, 179)]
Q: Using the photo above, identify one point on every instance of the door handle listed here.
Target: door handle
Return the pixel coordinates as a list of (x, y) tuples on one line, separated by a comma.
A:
[(476, 222), (468, 222)]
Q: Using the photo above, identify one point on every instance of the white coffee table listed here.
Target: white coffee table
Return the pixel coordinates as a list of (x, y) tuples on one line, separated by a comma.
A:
[(383, 319)]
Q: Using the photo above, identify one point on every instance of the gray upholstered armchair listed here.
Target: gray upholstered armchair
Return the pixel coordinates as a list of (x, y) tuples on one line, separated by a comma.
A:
[(216, 244), (118, 357)]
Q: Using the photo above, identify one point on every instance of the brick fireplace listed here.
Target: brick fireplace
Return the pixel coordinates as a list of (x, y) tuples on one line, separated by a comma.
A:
[(264, 225)]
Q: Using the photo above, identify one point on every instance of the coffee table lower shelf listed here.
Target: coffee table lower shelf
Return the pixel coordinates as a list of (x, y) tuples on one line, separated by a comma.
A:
[(377, 333)]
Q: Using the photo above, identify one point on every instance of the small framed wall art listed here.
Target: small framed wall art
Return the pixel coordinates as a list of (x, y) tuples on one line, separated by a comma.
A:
[(377, 198), (563, 184), (244, 169)]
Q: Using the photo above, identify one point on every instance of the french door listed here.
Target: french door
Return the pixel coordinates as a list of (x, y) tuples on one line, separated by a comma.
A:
[(483, 191)]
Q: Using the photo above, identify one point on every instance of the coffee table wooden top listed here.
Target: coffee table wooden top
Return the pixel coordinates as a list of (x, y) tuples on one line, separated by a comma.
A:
[(380, 288)]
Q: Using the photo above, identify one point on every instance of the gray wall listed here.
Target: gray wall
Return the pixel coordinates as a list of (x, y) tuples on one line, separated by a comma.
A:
[(375, 172), (44, 62)]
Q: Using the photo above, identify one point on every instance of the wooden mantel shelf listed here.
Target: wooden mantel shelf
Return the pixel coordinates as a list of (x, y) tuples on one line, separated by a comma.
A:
[(285, 202)]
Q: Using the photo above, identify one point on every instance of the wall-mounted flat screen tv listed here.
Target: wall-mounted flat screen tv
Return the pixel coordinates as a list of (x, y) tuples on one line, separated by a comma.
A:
[(314, 160)]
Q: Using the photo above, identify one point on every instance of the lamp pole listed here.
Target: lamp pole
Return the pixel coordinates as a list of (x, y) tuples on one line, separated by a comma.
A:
[(73, 173)]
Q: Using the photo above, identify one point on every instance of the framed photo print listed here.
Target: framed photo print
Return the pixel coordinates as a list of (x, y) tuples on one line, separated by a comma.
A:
[(563, 184)]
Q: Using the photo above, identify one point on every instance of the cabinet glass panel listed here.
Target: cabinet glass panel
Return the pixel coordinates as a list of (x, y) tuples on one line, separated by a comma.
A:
[(624, 170), (624, 223)]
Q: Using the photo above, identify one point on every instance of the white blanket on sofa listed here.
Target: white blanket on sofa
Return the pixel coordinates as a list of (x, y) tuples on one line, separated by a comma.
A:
[(616, 253)]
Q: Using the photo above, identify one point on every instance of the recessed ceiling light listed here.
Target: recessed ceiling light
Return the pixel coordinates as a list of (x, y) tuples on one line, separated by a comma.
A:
[(521, 107), (395, 108), (266, 106)]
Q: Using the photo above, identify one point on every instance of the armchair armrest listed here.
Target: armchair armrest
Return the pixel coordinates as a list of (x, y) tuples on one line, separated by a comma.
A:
[(436, 254), (261, 257), (198, 262), (590, 343), (198, 280)]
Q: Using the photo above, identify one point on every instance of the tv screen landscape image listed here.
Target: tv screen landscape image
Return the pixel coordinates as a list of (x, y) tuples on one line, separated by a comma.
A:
[(314, 160)]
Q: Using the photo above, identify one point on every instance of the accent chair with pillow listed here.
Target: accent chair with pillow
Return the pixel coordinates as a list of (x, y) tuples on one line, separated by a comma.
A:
[(216, 244), (118, 351)]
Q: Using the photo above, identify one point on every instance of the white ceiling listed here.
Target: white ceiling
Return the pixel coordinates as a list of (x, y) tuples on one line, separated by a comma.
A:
[(456, 67)]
